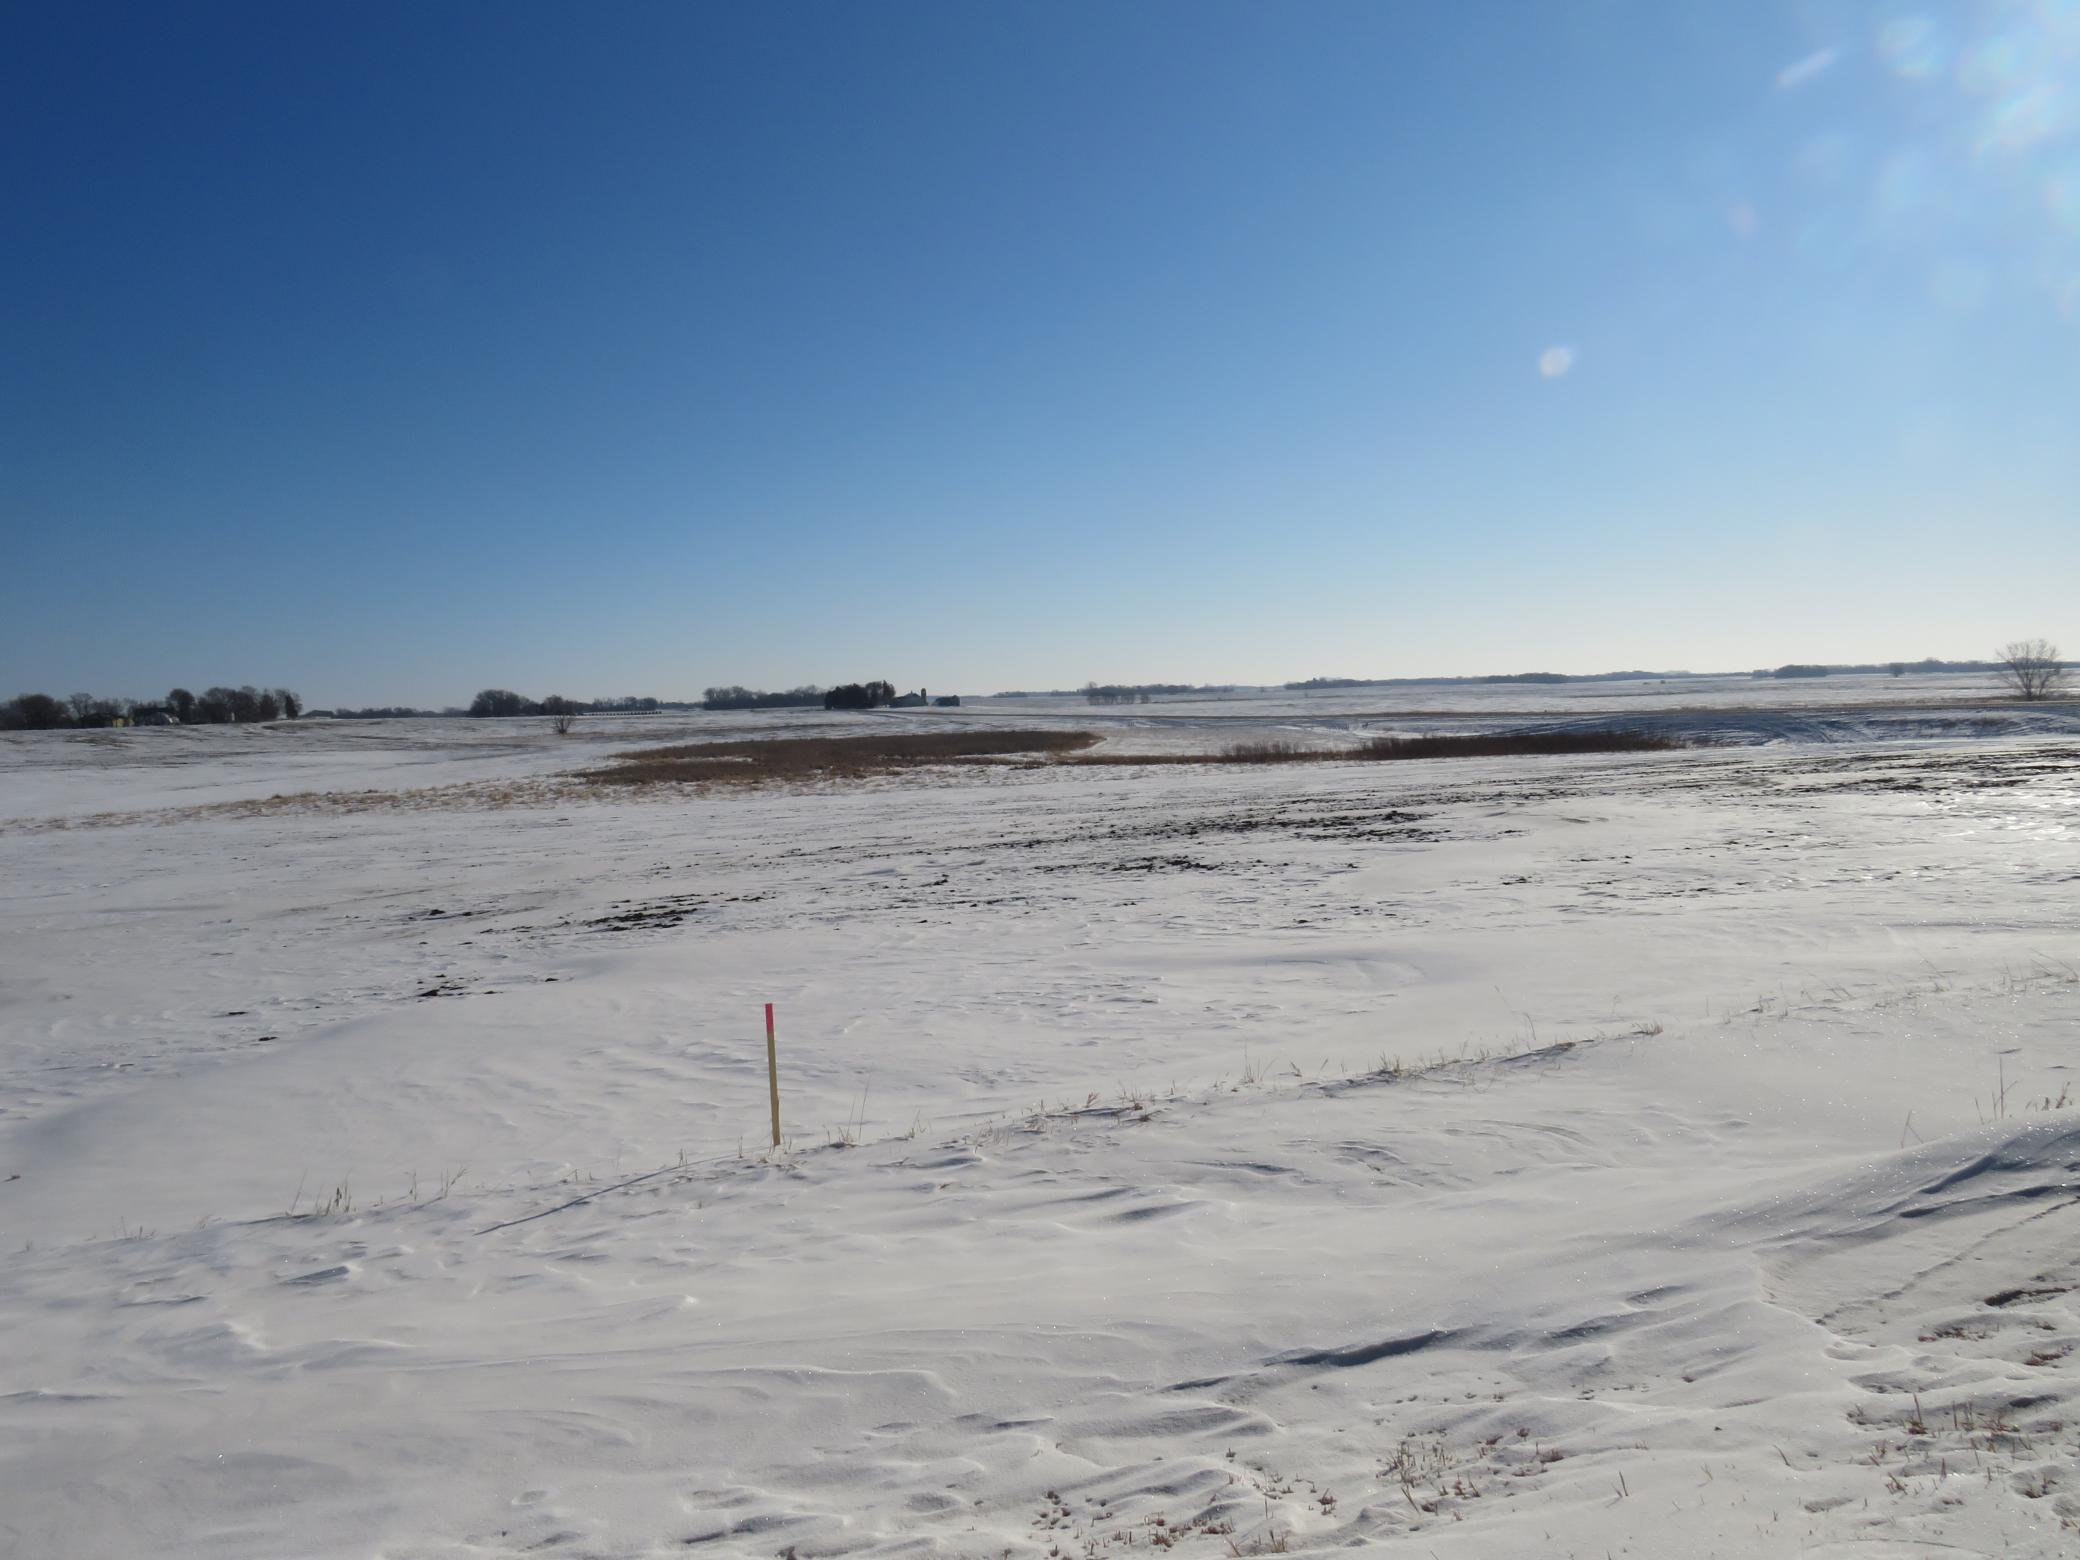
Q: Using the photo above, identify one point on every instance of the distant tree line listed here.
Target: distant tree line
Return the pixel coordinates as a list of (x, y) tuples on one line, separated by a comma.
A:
[(1141, 693), (213, 707), (498, 701), (859, 696), (503, 702), (1789, 671), (630, 704), (382, 712), (1320, 684), (1796, 669), (808, 696), (1132, 690)]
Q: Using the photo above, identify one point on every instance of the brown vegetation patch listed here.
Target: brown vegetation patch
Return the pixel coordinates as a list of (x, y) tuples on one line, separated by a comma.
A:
[(808, 758), (1510, 744), (1499, 744)]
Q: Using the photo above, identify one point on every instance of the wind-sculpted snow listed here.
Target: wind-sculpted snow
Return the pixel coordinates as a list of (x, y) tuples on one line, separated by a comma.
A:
[(1664, 1154)]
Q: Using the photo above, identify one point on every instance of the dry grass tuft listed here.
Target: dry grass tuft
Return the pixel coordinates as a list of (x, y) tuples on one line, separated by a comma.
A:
[(1274, 753), (806, 758)]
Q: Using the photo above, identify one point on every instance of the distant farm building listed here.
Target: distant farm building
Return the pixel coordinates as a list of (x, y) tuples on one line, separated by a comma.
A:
[(154, 718), (948, 701), (909, 701)]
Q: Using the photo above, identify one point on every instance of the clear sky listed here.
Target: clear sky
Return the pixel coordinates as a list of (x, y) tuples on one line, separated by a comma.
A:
[(392, 351)]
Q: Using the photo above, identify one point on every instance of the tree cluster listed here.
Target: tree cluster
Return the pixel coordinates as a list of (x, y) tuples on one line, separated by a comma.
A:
[(213, 707), (1927, 663), (501, 702), (859, 696), (808, 696), (626, 704), (1116, 693), (382, 712)]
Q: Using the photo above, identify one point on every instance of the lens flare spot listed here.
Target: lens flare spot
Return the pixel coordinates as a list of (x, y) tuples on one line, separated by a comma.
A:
[(2023, 119), (1742, 220), (1811, 68), (1555, 362)]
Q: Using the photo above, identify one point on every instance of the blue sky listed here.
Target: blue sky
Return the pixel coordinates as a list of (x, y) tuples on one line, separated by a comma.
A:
[(389, 352)]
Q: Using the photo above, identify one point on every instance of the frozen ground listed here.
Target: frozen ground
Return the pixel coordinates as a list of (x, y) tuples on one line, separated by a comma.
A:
[(1519, 1157)]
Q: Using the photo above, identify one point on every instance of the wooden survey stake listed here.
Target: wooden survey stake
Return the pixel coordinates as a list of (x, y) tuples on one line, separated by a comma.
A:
[(773, 1072)]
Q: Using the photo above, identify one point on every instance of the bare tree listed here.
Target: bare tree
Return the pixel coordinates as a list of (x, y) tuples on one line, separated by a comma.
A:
[(2031, 669)]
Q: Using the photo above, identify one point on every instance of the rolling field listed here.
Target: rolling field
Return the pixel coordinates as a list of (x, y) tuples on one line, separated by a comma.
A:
[(1666, 1153)]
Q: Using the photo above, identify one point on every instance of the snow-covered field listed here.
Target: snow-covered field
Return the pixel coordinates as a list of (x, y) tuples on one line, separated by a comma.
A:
[(1663, 1156)]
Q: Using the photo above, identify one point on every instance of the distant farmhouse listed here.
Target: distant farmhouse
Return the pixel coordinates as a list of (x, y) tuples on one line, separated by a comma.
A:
[(919, 699), (877, 695)]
